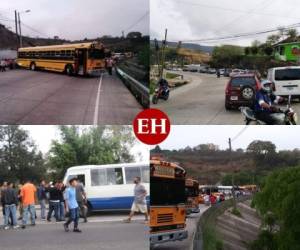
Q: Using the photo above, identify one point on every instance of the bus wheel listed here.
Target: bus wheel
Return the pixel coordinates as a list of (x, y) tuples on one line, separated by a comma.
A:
[(69, 70), (32, 66)]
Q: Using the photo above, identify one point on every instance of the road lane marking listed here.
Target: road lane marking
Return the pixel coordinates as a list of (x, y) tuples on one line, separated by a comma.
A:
[(96, 113)]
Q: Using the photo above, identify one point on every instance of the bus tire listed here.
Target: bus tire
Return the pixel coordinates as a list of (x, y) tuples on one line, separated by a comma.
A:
[(69, 70), (32, 66)]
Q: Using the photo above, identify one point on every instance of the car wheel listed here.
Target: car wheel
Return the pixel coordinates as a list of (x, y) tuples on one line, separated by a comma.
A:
[(227, 106), (248, 93)]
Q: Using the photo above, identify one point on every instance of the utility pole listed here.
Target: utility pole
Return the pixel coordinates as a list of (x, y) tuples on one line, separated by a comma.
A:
[(21, 42), (163, 55), (16, 23), (123, 36), (232, 176)]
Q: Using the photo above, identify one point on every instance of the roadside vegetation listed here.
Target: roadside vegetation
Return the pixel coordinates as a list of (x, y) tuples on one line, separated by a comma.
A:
[(20, 157), (278, 203), (209, 164)]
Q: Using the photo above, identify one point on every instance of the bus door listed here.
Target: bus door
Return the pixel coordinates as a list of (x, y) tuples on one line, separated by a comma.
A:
[(82, 60)]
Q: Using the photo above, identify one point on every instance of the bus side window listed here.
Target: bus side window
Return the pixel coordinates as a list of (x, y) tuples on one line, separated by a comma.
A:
[(131, 173), (98, 177), (145, 176), (114, 176)]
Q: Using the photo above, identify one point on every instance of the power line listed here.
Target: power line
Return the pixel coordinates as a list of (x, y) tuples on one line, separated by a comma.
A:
[(34, 30), (232, 10), (239, 133), (137, 22), (234, 36)]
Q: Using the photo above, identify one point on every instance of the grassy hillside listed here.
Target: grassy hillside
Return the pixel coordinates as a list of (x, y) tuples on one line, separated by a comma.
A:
[(215, 167)]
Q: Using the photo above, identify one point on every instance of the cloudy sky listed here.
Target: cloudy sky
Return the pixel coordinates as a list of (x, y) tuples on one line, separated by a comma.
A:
[(284, 137), (77, 19), (202, 19), (43, 136)]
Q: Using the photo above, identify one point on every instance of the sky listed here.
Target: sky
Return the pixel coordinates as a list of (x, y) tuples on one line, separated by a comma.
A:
[(43, 135), (284, 137), (202, 19), (77, 19)]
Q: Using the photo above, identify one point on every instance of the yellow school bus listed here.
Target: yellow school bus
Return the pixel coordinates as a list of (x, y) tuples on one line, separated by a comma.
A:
[(167, 203), (73, 59), (192, 196)]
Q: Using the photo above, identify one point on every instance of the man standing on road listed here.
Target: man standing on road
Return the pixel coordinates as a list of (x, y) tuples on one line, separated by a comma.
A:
[(139, 204), (109, 65), (28, 193), (2, 65), (81, 200), (41, 194), (72, 206), (10, 199), (54, 202)]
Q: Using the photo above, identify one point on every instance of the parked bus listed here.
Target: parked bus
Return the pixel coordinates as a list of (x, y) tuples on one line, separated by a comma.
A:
[(109, 187), (192, 196), (73, 59), (167, 204)]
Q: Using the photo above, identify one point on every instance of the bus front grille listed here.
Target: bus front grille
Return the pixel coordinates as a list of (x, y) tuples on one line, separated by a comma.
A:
[(164, 218)]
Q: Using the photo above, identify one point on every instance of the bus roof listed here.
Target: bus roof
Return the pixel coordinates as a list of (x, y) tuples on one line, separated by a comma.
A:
[(63, 46), (82, 167)]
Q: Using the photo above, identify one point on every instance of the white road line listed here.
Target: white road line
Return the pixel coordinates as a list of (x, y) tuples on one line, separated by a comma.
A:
[(96, 113)]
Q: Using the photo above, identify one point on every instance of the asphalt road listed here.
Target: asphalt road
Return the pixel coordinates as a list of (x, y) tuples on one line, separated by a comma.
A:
[(191, 226), (202, 102), (102, 232), (28, 97)]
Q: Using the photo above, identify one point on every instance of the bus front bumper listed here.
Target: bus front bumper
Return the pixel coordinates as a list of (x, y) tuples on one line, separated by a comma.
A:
[(159, 238)]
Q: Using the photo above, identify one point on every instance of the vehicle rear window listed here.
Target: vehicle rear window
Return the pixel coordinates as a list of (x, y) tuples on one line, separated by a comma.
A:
[(237, 81), (287, 74)]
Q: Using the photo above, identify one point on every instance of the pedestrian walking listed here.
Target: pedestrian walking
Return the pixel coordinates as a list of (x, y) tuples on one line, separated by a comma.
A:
[(81, 200), (2, 65), (42, 197), (28, 200), (139, 204), (54, 201), (109, 65), (10, 199), (72, 206)]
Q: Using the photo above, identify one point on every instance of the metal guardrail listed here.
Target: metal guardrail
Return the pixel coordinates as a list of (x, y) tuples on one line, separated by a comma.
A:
[(140, 91), (209, 218)]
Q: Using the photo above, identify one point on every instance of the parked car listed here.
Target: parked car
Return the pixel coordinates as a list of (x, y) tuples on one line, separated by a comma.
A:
[(236, 72), (241, 91), (227, 72), (204, 70), (212, 71), (222, 71), (286, 80)]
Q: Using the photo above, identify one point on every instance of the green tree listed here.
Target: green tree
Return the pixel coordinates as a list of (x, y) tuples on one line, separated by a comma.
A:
[(280, 197), (259, 147), (19, 157), (226, 55), (93, 145)]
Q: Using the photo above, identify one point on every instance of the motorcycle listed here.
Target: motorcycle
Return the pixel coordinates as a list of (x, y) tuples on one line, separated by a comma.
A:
[(160, 92), (287, 116)]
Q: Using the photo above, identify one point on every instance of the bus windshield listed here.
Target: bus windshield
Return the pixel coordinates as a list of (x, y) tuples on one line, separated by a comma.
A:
[(96, 54), (167, 191)]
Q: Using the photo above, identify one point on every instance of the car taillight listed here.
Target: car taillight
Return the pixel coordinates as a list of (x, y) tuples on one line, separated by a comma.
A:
[(228, 88)]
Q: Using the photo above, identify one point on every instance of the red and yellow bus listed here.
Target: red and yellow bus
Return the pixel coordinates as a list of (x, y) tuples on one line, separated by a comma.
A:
[(192, 196), (167, 203), (73, 59)]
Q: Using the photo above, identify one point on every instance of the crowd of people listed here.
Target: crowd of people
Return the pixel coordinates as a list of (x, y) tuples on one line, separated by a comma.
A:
[(63, 202)]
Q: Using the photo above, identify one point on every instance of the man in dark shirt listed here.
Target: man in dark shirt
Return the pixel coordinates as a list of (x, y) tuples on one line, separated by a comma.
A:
[(41, 194), (10, 201), (54, 201)]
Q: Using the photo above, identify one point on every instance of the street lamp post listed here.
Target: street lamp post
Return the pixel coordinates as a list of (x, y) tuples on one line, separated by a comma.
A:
[(20, 31)]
